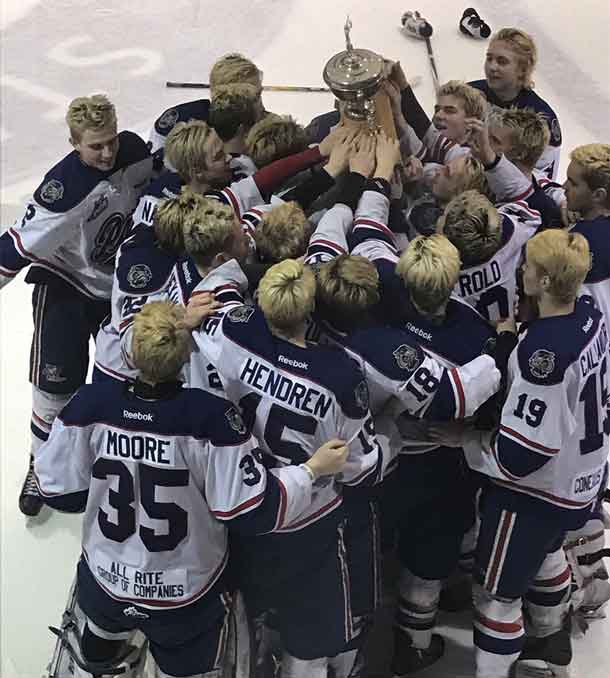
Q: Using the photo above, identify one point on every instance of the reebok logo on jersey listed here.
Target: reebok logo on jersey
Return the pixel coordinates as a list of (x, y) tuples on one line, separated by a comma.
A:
[(138, 415), (187, 273), (419, 332), (293, 363)]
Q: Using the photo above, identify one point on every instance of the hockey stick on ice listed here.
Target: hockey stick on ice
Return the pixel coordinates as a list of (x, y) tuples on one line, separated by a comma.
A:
[(266, 88), (435, 77)]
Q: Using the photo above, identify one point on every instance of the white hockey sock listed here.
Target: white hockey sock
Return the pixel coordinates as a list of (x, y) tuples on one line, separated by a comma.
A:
[(45, 407), (343, 663), (417, 607), (303, 668)]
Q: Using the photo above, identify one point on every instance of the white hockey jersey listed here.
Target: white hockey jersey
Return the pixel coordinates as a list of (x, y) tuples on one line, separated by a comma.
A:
[(159, 472), (296, 398), (76, 220), (144, 272), (553, 438)]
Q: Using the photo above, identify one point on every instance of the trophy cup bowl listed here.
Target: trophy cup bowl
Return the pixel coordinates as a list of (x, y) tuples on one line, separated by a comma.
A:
[(354, 76)]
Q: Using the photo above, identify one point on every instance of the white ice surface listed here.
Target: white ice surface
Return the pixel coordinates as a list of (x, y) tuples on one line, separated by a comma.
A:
[(53, 50)]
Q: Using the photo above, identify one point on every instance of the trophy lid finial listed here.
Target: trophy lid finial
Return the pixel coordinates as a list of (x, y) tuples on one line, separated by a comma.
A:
[(347, 28)]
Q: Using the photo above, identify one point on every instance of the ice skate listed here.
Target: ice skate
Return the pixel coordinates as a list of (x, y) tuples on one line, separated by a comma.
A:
[(30, 501), (408, 659)]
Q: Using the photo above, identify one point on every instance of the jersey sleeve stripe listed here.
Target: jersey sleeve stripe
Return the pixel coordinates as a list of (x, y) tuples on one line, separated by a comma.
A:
[(362, 221), (281, 514), (321, 242), (511, 433), (459, 392), (243, 507), (233, 200)]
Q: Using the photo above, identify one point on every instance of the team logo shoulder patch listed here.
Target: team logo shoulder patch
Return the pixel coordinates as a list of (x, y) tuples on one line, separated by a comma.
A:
[(235, 421), (361, 395), (168, 119), (98, 207), (241, 314), (52, 191), (406, 357), (139, 276), (542, 363)]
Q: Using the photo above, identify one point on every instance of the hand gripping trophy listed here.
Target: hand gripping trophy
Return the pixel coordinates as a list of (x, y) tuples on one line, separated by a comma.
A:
[(355, 77)]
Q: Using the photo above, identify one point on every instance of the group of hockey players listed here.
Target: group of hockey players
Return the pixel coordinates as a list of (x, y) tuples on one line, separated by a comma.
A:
[(318, 350)]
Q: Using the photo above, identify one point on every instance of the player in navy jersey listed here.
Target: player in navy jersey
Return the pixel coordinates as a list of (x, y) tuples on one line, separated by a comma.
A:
[(165, 579), (297, 393), (509, 66), (69, 234), (440, 508), (228, 70), (546, 461)]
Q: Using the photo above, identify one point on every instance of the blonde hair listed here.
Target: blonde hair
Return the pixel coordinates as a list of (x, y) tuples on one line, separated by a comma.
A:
[(232, 68), (286, 295), (473, 225), (475, 104), (564, 257), (208, 231), (275, 137), (529, 131), (347, 287), (475, 178), (170, 216), (283, 233), (430, 267), (595, 162), (161, 343), (232, 106), (95, 112), (524, 47), (184, 147)]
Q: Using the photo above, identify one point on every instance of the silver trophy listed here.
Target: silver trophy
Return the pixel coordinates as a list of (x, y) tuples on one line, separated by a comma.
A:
[(354, 76)]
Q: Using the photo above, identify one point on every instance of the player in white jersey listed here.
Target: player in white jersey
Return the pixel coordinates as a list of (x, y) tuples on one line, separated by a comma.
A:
[(546, 462), (151, 265), (587, 191), (148, 568), (69, 234), (295, 394), (490, 243)]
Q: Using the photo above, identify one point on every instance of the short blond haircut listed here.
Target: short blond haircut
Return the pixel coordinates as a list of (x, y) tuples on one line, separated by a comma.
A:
[(475, 104), (95, 113), (232, 68), (161, 343), (595, 162), (476, 178), (430, 267), (283, 233), (564, 257), (529, 131), (286, 295), (275, 137), (473, 225), (524, 47), (233, 106), (347, 288), (170, 217), (184, 147), (208, 231)]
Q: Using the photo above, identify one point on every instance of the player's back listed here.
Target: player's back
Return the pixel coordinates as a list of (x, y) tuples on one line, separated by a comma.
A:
[(148, 533), (553, 440), (460, 337), (491, 287), (295, 399)]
